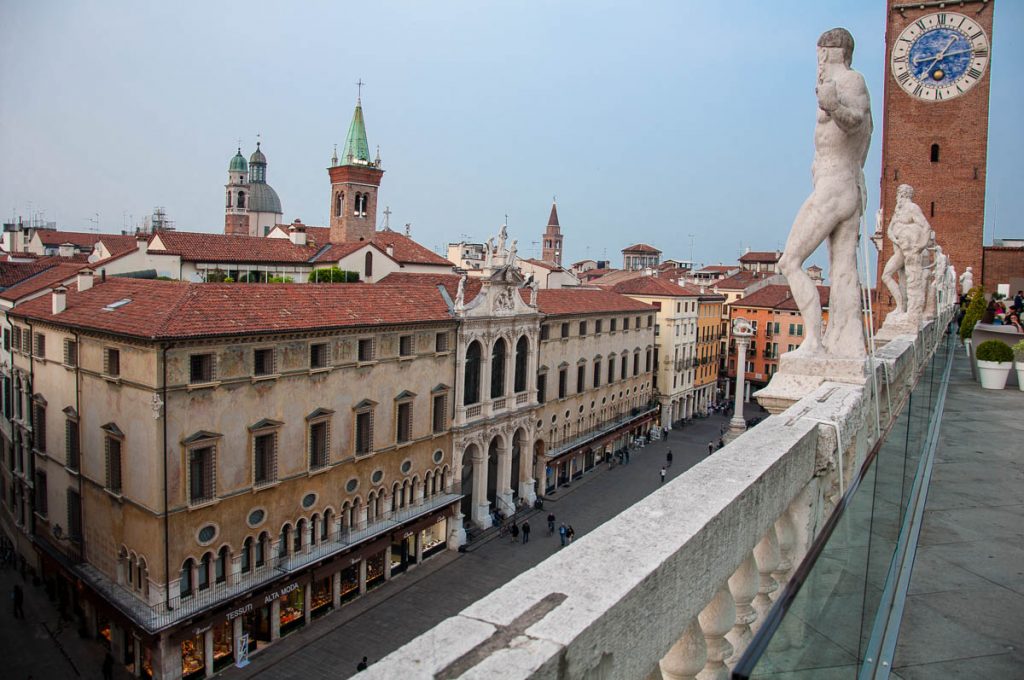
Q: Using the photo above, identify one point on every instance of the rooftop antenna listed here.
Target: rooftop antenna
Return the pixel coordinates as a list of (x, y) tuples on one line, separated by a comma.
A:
[(95, 220), (359, 92), (408, 229), (535, 245), (691, 248)]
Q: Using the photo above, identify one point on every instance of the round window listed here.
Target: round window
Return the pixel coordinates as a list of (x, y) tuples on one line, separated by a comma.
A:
[(567, 413), (207, 534), (554, 419), (308, 500), (581, 409), (540, 424), (406, 466), (377, 476), (438, 456), (256, 517), (351, 485)]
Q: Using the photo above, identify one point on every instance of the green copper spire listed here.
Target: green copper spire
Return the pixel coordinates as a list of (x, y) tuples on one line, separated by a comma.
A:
[(357, 150)]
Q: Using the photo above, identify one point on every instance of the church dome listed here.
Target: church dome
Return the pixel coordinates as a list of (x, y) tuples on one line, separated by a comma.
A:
[(257, 155), (238, 163), (263, 198)]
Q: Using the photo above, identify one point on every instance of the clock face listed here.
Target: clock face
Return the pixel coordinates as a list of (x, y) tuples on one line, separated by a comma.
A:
[(940, 56)]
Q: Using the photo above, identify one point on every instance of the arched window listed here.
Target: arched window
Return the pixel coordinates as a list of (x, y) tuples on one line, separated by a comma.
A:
[(221, 567), (339, 198), (498, 368), (471, 393), (282, 543), (142, 576), (229, 198), (371, 508), (203, 574), (314, 530), (935, 153), (522, 351), (262, 549), (247, 555), (300, 535), (397, 497), (368, 265), (241, 199), (185, 579)]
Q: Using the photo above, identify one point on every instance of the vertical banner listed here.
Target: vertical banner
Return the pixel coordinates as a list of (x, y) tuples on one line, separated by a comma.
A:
[(242, 651)]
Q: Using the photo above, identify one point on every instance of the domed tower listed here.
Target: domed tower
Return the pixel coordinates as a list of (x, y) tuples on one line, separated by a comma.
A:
[(354, 184), (236, 221), (264, 207)]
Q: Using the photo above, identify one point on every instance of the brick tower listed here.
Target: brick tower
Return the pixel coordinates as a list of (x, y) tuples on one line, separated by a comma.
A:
[(935, 124), (552, 250), (354, 184), (236, 219)]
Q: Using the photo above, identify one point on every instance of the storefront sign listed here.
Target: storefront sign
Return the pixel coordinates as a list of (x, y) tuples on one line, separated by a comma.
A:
[(281, 592), (242, 651), (232, 615)]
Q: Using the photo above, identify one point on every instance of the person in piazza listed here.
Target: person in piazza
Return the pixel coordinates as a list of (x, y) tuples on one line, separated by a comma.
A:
[(833, 210)]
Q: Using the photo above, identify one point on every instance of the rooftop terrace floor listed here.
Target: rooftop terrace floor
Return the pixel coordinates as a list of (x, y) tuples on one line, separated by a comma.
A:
[(964, 615)]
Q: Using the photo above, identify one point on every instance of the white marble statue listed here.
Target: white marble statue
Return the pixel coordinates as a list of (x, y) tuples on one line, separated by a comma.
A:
[(832, 212), (502, 235), (908, 232), (512, 252), (966, 281), (489, 253), (929, 263), (460, 293)]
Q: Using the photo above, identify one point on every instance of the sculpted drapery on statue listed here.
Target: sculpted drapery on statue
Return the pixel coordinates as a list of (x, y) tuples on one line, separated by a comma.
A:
[(832, 212), (910, 234), (967, 281)]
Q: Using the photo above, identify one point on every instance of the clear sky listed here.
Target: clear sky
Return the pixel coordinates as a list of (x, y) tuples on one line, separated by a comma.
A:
[(650, 121)]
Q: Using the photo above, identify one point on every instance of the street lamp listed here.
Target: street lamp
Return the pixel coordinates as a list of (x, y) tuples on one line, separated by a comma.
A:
[(742, 331)]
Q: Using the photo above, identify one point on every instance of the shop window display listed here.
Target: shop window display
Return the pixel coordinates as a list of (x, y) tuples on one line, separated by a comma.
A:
[(223, 646), (434, 538), (193, 662), (320, 598), (292, 610), (350, 582), (375, 569)]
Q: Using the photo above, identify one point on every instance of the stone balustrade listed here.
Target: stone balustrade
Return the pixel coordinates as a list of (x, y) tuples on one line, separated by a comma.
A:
[(675, 586)]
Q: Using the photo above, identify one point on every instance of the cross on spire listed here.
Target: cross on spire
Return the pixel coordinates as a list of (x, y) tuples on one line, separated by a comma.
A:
[(359, 91), (387, 217)]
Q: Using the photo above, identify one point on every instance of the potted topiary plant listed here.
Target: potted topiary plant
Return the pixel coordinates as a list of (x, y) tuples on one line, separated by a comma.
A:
[(995, 359), (972, 315), (1018, 364)]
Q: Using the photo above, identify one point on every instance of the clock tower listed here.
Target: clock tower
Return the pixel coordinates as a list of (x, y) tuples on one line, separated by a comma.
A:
[(935, 124)]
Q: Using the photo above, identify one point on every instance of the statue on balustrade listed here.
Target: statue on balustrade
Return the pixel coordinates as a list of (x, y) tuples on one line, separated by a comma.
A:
[(833, 211), (909, 233)]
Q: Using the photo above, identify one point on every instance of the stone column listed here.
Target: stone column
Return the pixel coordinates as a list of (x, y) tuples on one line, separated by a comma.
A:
[(419, 548), (336, 590), (208, 652), (510, 373), (275, 619), (307, 538), (716, 620), (743, 584), (738, 425), (485, 376), (307, 602), (166, 659), (362, 577), (766, 554), (504, 486), (481, 509), (236, 632), (417, 492), (687, 657)]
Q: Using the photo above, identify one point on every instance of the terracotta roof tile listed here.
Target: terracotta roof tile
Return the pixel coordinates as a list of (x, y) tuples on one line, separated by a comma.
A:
[(407, 251), (741, 280), (449, 281), (641, 248), (202, 247), (54, 237), (652, 285), (761, 256), (586, 301), (173, 309), (12, 273), (47, 278), (777, 297)]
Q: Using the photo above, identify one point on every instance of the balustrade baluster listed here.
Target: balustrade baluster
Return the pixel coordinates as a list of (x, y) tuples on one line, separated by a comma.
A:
[(743, 584), (715, 621), (687, 657), (766, 554)]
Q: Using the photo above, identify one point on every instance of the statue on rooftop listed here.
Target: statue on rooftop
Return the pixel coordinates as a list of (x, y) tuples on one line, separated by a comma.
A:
[(909, 233), (460, 293), (833, 211), (966, 281)]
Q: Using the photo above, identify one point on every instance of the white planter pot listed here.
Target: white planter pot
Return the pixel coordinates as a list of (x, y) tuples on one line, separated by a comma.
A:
[(993, 374), (1019, 366)]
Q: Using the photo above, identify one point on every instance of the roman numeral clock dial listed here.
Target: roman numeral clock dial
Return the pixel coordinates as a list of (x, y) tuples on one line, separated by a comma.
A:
[(940, 56)]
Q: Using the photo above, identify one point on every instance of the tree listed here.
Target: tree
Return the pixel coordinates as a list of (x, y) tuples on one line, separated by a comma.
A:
[(280, 279), (975, 310), (333, 275)]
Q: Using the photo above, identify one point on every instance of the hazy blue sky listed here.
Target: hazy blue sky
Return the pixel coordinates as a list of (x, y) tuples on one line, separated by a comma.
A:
[(650, 121)]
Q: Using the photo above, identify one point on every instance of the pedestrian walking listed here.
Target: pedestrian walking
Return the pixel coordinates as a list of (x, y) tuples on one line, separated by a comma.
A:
[(662, 474), (551, 523), (570, 533), (18, 600), (626, 454), (668, 458), (361, 666), (108, 667), (563, 533), (711, 448), (514, 530), (526, 532), (721, 443)]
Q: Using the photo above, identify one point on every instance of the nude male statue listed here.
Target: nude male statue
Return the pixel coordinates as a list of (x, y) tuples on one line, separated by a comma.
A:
[(967, 281), (834, 208), (908, 230)]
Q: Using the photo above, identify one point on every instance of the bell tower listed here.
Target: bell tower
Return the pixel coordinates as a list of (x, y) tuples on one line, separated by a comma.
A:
[(552, 241), (355, 180), (236, 219), (935, 124)]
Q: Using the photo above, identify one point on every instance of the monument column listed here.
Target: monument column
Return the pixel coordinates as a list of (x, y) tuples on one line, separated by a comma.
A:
[(742, 331)]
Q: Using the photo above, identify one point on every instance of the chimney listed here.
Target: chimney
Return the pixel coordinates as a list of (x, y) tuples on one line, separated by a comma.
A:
[(142, 242), (66, 250), (391, 250), (297, 233), (60, 299), (84, 279)]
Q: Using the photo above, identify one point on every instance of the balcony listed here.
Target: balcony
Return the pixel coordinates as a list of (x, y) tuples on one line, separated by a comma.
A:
[(560, 445), (770, 537), (161, 616)]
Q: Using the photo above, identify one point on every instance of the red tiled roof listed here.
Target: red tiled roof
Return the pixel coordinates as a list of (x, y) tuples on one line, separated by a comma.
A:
[(12, 273), (761, 256), (202, 247), (654, 286), (741, 280), (335, 252), (777, 297), (586, 301), (641, 248), (174, 309), (544, 264), (718, 268), (449, 281), (54, 237), (118, 244), (407, 251), (48, 278)]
